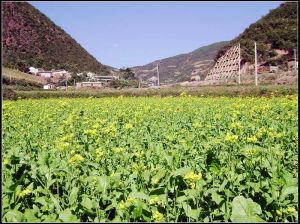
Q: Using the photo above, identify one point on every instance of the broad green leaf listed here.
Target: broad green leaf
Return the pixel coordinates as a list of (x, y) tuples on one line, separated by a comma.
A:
[(55, 202), (86, 203), (138, 210), (222, 186), (245, 210), (49, 218), (67, 216), (181, 199), (73, 195), (191, 193), (160, 174), (289, 190), (216, 197), (29, 216), (193, 213), (42, 201), (139, 195), (13, 216), (181, 171), (102, 183)]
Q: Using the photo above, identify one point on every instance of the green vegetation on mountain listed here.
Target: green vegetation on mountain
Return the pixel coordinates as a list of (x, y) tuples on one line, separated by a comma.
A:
[(31, 39), (276, 30), (181, 67)]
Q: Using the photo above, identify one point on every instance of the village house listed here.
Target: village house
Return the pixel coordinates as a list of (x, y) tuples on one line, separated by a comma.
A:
[(49, 74), (195, 78), (103, 78), (88, 84), (152, 81), (96, 81), (45, 74), (34, 71), (90, 74), (61, 73), (49, 86)]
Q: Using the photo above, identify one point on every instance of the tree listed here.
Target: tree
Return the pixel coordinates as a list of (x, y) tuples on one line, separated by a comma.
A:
[(127, 74)]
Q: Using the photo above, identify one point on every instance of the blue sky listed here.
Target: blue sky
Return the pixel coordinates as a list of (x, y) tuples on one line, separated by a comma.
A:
[(125, 34)]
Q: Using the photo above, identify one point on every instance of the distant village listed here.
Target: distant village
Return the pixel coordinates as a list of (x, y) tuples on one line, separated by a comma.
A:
[(92, 80), (54, 76)]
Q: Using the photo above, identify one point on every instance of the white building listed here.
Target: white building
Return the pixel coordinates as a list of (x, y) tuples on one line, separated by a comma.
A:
[(49, 86), (195, 78), (45, 74), (34, 71), (88, 84), (90, 74), (103, 78)]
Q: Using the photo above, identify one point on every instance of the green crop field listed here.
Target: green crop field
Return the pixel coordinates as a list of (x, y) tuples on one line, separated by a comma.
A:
[(150, 159)]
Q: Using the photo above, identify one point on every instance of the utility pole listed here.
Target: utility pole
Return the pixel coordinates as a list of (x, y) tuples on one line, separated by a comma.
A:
[(157, 75), (239, 63), (295, 58), (255, 63)]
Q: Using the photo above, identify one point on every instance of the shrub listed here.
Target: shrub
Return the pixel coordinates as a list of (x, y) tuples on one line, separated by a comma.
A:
[(9, 94)]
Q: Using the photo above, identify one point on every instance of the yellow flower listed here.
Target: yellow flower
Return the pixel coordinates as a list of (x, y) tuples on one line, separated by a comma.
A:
[(118, 150), (62, 145), (192, 178), (236, 125), (157, 216), (291, 210), (92, 132), (197, 125), (218, 116), (76, 159), (99, 152), (278, 212), (193, 185), (6, 161), (252, 139), (260, 132), (130, 200), (122, 205), (155, 200), (154, 180), (25, 192), (139, 154), (231, 138), (128, 126)]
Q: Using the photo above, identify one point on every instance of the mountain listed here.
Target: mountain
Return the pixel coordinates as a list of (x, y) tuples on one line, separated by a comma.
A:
[(274, 33), (29, 38), (181, 67)]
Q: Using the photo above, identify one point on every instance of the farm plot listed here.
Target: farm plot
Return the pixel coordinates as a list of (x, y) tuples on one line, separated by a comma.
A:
[(150, 159)]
